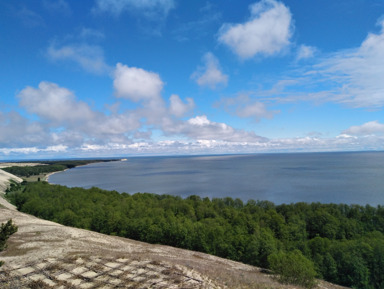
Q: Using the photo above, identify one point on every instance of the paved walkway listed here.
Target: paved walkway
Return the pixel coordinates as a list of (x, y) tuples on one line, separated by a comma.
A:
[(98, 272)]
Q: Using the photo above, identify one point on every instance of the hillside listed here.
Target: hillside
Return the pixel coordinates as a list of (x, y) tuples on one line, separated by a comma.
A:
[(43, 254)]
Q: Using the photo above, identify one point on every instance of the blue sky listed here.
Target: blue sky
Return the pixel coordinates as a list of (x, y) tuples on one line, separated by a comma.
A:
[(107, 78)]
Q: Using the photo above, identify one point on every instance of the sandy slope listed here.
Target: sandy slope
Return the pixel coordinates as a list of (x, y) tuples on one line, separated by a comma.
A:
[(4, 183), (7, 164), (44, 253)]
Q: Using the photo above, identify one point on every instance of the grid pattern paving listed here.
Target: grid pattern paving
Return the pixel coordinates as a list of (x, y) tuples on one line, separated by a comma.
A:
[(94, 272)]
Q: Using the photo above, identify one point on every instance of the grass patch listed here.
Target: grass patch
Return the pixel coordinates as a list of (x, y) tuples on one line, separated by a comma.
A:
[(6, 230), (54, 267), (36, 178), (38, 284)]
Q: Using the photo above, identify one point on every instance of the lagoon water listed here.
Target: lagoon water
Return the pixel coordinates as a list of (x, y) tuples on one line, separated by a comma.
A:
[(348, 177)]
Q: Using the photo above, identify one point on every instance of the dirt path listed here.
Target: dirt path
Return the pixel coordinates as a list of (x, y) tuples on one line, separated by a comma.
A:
[(44, 254)]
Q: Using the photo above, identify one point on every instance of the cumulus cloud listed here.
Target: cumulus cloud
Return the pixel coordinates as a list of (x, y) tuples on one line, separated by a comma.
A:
[(178, 107), (65, 123), (53, 103), (89, 57), (100, 134), (149, 8), (16, 131), (305, 52), (255, 110), (245, 107), (210, 75), (368, 128), (136, 84), (201, 128), (145, 88), (67, 120), (267, 32), (49, 150), (115, 124)]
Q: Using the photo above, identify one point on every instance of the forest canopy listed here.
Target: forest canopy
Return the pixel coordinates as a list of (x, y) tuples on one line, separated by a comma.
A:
[(343, 243), (47, 167)]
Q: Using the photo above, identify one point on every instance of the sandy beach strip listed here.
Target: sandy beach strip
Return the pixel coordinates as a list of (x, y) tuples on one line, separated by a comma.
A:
[(14, 164), (46, 177)]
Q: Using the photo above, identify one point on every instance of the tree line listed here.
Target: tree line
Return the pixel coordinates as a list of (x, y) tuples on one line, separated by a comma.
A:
[(344, 244), (47, 167)]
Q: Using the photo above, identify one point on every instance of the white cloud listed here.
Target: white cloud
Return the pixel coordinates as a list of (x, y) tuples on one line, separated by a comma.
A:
[(178, 107), (356, 74), (106, 135), (33, 150), (15, 151), (201, 128), (305, 52), (198, 146), (368, 128), (68, 121), (63, 123), (267, 32), (351, 77), (116, 124), (243, 106), (149, 8), (55, 104), (210, 75), (136, 84), (256, 109), (145, 87), (89, 57), (16, 131)]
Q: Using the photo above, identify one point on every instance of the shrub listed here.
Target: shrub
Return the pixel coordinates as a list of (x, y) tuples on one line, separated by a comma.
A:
[(6, 230), (293, 268)]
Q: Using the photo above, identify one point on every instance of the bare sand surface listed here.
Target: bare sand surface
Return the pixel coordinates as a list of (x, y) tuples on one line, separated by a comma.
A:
[(17, 164), (44, 254), (5, 178)]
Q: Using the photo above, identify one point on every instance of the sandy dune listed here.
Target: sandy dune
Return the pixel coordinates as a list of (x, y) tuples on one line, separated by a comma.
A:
[(4, 183), (45, 254), (7, 164)]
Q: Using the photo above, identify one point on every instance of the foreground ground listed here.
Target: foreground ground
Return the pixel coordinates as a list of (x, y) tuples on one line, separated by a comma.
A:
[(44, 254)]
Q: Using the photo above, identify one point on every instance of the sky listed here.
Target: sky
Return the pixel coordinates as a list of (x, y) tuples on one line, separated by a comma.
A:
[(117, 78)]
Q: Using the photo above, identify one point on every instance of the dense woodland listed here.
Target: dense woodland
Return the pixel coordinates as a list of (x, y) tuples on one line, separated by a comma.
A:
[(47, 167), (343, 243), (34, 170)]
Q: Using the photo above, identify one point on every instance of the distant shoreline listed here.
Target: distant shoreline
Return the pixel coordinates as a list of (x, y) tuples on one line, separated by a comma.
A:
[(278, 178), (46, 177)]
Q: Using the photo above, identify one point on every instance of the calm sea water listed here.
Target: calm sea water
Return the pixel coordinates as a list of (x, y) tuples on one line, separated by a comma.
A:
[(351, 178)]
